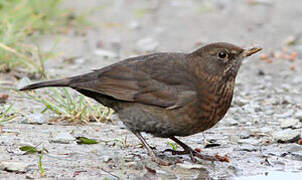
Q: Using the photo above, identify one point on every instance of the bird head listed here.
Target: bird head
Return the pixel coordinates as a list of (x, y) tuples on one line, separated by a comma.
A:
[(222, 59)]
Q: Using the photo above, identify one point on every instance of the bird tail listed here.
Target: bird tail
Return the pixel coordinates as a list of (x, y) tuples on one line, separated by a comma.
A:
[(52, 83)]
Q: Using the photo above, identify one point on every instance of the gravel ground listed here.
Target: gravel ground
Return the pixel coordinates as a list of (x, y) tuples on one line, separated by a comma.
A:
[(259, 134)]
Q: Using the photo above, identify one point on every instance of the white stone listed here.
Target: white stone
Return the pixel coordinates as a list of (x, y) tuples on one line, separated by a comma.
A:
[(147, 44), (36, 118), (289, 123), (188, 165), (14, 166), (63, 138), (286, 136), (105, 53), (23, 82), (298, 114)]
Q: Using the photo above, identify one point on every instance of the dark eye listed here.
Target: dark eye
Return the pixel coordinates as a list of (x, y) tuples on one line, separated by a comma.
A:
[(222, 54)]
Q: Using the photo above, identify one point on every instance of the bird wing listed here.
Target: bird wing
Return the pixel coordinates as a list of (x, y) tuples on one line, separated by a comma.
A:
[(148, 80)]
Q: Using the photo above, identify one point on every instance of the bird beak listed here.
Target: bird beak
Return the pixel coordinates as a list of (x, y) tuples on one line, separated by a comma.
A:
[(251, 51)]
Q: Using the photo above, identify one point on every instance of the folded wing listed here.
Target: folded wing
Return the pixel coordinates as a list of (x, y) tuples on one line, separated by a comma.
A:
[(146, 81)]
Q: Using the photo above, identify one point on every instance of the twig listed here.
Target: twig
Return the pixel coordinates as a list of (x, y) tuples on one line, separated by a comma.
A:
[(110, 173)]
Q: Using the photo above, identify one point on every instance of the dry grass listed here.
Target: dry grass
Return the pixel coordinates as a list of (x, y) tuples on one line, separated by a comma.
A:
[(69, 106), (22, 20)]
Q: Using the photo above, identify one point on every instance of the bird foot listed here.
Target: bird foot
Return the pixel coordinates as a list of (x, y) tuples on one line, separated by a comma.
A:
[(174, 152), (192, 153), (160, 161), (151, 153)]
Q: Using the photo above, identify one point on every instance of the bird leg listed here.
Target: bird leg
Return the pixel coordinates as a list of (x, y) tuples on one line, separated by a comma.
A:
[(151, 153), (190, 151)]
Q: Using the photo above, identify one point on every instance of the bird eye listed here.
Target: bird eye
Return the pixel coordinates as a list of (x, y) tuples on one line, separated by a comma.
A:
[(222, 55)]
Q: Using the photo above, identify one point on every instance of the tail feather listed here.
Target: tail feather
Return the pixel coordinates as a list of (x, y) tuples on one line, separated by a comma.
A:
[(53, 83)]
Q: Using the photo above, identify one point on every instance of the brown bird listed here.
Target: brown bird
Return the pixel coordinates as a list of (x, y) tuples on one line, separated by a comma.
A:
[(165, 94)]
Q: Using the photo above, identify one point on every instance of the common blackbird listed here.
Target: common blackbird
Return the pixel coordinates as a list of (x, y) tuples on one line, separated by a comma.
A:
[(165, 94)]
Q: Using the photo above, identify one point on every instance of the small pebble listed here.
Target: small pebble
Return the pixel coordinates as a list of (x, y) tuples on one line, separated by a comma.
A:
[(298, 115), (289, 123), (63, 138), (3, 97), (294, 148), (286, 136), (147, 45), (106, 159), (246, 147), (188, 165), (105, 53), (244, 134), (250, 141), (36, 118), (14, 166)]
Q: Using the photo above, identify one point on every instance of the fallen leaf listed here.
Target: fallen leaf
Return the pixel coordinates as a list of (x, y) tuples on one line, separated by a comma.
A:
[(222, 158), (84, 140), (292, 56), (268, 61), (77, 173), (29, 149), (292, 67), (300, 141), (263, 56), (197, 149), (3, 97)]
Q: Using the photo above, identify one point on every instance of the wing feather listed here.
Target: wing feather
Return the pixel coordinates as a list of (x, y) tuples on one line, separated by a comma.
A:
[(141, 81)]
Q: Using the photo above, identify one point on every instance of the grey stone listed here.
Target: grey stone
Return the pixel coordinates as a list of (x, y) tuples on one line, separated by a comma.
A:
[(269, 112), (30, 176), (298, 115), (188, 165), (244, 134), (294, 148), (25, 143), (297, 155), (291, 40), (134, 25), (14, 166), (62, 138), (289, 123), (266, 130), (23, 82), (288, 100), (105, 53), (230, 122), (286, 87), (241, 101), (36, 118), (287, 114), (286, 136), (297, 79), (249, 141), (106, 158), (147, 44), (252, 107), (246, 147), (108, 177), (80, 60), (237, 110)]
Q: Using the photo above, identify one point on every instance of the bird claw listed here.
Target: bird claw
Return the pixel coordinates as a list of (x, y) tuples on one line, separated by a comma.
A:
[(204, 157), (192, 155), (160, 161), (174, 152)]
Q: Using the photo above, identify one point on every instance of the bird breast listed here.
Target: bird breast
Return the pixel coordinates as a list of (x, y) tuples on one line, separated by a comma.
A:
[(214, 104)]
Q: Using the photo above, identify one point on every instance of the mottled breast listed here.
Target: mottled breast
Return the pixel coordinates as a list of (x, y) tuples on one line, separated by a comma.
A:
[(215, 102)]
